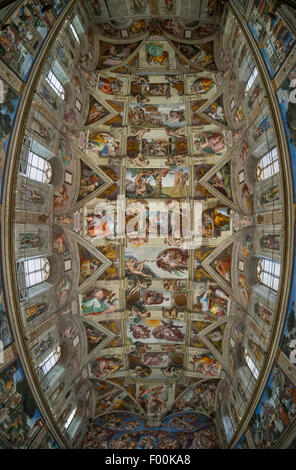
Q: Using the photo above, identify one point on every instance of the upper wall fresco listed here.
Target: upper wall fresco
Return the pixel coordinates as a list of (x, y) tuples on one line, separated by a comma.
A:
[(22, 36)]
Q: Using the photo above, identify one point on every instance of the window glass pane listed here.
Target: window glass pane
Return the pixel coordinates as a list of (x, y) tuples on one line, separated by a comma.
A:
[(251, 79), (269, 273), (55, 84), (48, 363), (74, 32), (268, 165), (38, 168), (70, 418), (36, 271)]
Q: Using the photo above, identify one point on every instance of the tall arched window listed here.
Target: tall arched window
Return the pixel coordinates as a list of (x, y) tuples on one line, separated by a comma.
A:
[(70, 418), (268, 165), (36, 168), (36, 270), (74, 33), (251, 80), (55, 84), (268, 273), (251, 365), (47, 364)]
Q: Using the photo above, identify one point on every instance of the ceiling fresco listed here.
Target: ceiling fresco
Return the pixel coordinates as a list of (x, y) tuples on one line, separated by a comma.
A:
[(155, 200), (154, 219)]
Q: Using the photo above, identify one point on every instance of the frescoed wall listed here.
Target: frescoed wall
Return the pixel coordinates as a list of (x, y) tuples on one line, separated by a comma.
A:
[(20, 420), (24, 34), (274, 38), (8, 107), (182, 431), (287, 99), (150, 220)]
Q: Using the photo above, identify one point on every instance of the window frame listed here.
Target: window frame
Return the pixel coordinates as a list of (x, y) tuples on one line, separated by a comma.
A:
[(55, 84), (70, 418), (269, 165), (36, 272), (269, 274), (251, 366), (37, 168), (50, 361), (251, 80), (74, 32)]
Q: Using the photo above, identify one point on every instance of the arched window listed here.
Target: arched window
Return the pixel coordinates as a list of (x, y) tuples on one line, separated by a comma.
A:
[(74, 32), (36, 270), (268, 165), (47, 364), (251, 80), (36, 168), (70, 418), (251, 365), (75, 341), (55, 84), (268, 273)]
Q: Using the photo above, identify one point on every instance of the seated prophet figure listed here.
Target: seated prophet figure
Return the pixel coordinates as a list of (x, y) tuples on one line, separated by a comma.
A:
[(213, 301), (202, 85), (156, 54), (106, 366), (215, 221), (210, 143), (104, 144), (223, 266), (98, 301), (98, 225)]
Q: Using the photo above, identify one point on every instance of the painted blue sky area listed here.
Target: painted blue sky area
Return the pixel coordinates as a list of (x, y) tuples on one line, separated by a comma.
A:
[(25, 68), (292, 148), (5, 139), (264, 398), (292, 299), (168, 425), (59, 6), (264, 52), (18, 375), (242, 443), (202, 421), (32, 421), (5, 111)]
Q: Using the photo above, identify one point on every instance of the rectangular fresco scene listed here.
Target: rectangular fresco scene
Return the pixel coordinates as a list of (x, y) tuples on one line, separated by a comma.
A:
[(276, 410), (288, 339), (22, 37), (148, 263), (20, 419), (287, 99), (157, 115), (156, 365), (157, 182), (156, 331), (275, 40), (9, 100), (5, 333)]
